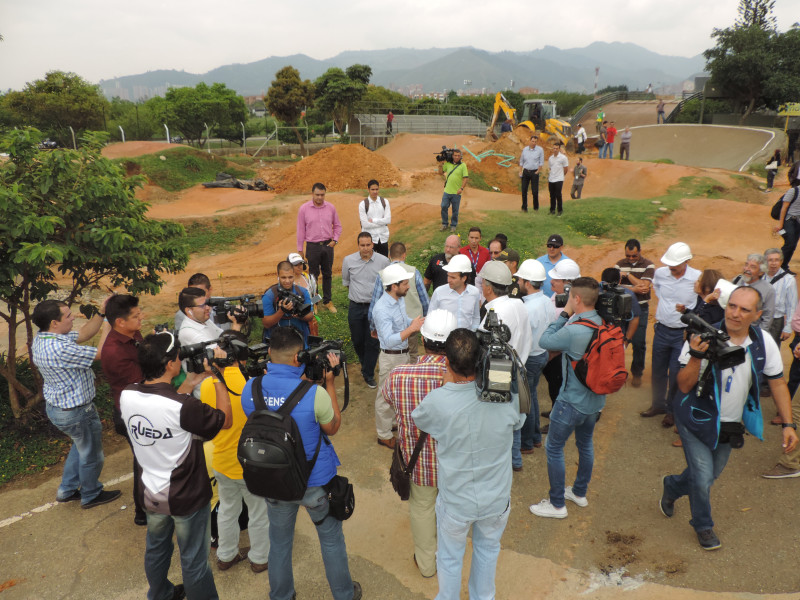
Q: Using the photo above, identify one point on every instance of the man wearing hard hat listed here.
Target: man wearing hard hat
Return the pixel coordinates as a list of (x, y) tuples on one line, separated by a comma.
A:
[(459, 297), (404, 389), (394, 327), (673, 285)]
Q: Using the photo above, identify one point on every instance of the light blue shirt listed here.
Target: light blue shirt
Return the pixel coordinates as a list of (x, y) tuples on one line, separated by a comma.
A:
[(531, 159), (473, 448), (466, 306), (540, 315), (390, 320), (563, 336), (548, 265), (378, 291)]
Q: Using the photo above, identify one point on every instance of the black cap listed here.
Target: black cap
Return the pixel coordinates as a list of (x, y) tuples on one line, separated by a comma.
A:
[(555, 239)]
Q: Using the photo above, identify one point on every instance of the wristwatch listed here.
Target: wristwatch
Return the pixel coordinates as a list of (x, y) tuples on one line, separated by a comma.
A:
[(792, 425)]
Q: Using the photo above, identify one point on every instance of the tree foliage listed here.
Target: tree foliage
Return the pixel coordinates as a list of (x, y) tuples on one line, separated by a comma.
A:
[(189, 110), (71, 216), (55, 103), (756, 13), (338, 91), (138, 120), (288, 96)]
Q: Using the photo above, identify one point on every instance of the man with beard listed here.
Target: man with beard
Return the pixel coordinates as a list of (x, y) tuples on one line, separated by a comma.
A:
[(754, 267)]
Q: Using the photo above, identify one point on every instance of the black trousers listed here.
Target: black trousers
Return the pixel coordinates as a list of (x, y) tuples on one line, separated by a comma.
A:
[(530, 178), (552, 373), (367, 347), (119, 427), (382, 248), (556, 201), (320, 257)]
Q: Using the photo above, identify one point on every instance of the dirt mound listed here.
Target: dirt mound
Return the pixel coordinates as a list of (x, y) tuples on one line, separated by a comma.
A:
[(127, 149), (340, 167), (417, 150)]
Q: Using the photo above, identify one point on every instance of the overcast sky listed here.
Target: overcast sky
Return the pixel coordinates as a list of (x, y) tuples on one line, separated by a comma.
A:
[(102, 39)]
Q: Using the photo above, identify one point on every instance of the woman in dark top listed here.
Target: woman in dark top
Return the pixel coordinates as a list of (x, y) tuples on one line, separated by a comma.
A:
[(707, 307)]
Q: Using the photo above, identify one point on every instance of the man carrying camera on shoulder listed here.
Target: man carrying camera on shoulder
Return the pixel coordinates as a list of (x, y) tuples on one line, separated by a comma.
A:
[(282, 304), (728, 399), (455, 180), (316, 414)]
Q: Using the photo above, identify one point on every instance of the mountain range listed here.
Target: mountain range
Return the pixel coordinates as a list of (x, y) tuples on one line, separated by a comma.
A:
[(438, 69)]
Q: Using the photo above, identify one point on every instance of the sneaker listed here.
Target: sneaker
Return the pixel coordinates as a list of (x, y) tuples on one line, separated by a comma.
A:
[(371, 383), (545, 509), (570, 495), (453, 229), (76, 495), (140, 518), (636, 381), (103, 497), (224, 565), (356, 591), (552, 212), (443, 227), (331, 308), (258, 567), (780, 472), (708, 539), (666, 505)]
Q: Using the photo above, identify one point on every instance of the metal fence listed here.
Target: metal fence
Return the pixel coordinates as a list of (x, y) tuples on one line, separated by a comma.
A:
[(608, 99)]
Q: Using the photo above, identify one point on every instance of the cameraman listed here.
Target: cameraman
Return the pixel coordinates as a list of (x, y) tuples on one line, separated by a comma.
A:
[(200, 281), (316, 414), (455, 180), (282, 312), (577, 407), (732, 399)]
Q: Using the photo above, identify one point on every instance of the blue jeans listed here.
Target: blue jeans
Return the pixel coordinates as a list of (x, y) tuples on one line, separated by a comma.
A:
[(449, 200), (564, 419), (194, 539), (667, 344), (452, 532), (85, 459), (639, 342), (603, 149), (703, 466), (282, 518), (530, 433)]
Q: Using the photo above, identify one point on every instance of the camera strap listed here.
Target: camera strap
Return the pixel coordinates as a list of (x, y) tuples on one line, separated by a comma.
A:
[(215, 371), (446, 179)]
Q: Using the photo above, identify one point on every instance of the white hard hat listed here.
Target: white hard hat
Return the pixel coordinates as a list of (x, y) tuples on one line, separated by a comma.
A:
[(496, 272), (458, 264), (531, 270), (394, 274), (676, 254), (438, 325), (566, 268)]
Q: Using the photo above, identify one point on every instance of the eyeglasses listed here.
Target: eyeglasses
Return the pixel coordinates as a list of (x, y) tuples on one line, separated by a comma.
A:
[(203, 305), (553, 246)]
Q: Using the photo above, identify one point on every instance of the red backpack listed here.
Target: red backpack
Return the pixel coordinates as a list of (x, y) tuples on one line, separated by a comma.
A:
[(602, 366)]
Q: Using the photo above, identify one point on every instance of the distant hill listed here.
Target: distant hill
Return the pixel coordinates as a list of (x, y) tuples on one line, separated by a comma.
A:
[(437, 69)]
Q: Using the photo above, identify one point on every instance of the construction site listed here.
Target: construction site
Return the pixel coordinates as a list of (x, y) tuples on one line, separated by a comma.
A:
[(620, 543)]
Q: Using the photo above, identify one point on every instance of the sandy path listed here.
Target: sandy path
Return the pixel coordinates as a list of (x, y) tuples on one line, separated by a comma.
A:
[(126, 149)]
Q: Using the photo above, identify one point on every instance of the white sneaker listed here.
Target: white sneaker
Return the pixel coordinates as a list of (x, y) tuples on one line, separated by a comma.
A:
[(570, 495), (545, 509)]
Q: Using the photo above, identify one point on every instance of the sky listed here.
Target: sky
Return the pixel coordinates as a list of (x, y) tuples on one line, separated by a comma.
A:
[(98, 39)]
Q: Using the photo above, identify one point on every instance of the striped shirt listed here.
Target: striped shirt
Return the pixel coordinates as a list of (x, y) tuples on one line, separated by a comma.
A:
[(404, 389), (641, 269), (66, 368)]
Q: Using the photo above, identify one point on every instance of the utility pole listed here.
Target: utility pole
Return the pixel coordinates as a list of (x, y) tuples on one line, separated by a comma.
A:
[(596, 77)]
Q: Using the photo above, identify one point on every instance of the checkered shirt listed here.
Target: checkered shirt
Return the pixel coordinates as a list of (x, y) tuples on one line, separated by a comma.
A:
[(404, 389), (66, 368)]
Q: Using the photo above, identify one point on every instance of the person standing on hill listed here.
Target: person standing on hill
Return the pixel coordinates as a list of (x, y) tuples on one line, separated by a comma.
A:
[(319, 227), (389, 121), (580, 138), (611, 135), (559, 165), (601, 116), (455, 180), (660, 112), (625, 143), (579, 173), (530, 161)]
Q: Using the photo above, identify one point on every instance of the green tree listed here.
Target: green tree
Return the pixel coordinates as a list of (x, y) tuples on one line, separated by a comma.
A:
[(189, 110), (288, 96), (756, 13), (71, 215), (136, 120), (55, 103), (337, 92)]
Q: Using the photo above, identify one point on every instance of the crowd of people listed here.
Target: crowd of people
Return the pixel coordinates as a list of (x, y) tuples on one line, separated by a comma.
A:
[(419, 331)]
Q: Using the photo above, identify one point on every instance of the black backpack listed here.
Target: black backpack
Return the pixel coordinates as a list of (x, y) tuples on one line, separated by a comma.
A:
[(271, 449)]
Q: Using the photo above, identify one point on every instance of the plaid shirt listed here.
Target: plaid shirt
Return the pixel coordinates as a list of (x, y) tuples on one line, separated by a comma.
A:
[(404, 389), (66, 368)]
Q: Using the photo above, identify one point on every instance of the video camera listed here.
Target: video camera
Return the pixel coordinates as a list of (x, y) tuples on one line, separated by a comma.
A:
[(243, 307), (300, 308), (561, 299), (500, 371), (194, 354), (446, 155), (719, 353), (614, 304)]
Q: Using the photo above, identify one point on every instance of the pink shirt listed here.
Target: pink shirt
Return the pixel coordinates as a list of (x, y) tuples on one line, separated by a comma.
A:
[(317, 223)]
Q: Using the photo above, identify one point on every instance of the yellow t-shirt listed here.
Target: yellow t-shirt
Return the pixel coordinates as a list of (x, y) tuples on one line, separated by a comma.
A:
[(227, 440)]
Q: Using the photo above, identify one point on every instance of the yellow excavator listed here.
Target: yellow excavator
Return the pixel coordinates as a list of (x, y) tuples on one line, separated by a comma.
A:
[(538, 115)]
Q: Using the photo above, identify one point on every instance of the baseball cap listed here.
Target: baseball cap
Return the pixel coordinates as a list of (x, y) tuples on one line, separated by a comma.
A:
[(496, 272), (458, 264), (295, 259), (508, 255), (556, 240), (395, 274)]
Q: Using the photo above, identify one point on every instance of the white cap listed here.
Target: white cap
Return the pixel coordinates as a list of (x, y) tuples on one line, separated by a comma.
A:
[(496, 272), (394, 274), (438, 325), (566, 268), (676, 254), (531, 270), (458, 264), (295, 259), (725, 288)]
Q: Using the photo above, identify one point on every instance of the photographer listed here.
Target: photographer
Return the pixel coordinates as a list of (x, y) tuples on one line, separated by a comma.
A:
[(316, 414), (730, 405), (167, 430), (455, 180), (577, 408), (473, 446), (280, 311)]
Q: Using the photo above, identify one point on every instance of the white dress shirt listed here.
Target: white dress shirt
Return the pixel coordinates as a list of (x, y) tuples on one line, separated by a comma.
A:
[(671, 291), (381, 218), (512, 312)]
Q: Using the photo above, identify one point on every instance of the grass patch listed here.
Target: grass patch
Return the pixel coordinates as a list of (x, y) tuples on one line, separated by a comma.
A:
[(663, 161), (694, 187), (182, 168), (244, 161), (758, 169), (221, 234), (478, 181)]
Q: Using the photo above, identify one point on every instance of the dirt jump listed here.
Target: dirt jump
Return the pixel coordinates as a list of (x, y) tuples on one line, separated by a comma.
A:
[(619, 543)]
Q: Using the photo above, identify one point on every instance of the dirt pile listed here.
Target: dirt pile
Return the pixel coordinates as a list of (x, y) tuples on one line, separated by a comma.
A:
[(340, 167)]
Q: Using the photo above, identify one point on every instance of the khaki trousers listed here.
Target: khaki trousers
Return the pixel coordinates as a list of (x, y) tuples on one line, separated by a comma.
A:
[(384, 413), (422, 512)]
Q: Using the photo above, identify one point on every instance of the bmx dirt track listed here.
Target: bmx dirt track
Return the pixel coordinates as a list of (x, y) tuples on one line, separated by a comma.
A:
[(619, 542)]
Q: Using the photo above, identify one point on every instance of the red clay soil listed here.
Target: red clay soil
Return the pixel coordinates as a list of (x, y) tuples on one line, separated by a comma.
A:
[(127, 149)]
